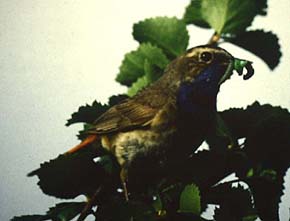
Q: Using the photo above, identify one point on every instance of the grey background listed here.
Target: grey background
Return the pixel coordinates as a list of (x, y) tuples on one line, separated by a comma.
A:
[(57, 55)]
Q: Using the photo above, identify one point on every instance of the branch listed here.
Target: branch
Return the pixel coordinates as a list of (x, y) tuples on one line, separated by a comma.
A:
[(87, 209), (214, 39)]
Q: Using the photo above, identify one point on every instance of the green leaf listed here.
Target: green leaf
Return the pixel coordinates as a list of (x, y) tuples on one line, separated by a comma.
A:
[(30, 218), (137, 86), (65, 211), (228, 16), (263, 44), (193, 14), (224, 16), (150, 72), (133, 64), (157, 203), (190, 200), (169, 34)]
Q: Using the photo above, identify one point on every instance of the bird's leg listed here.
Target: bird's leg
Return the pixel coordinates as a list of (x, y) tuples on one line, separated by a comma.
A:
[(123, 176)]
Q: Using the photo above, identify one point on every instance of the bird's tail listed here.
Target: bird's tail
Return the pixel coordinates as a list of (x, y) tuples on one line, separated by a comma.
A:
[(90, 139)]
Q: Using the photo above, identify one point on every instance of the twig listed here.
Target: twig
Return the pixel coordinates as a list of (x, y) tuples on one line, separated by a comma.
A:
[(214, 39), (87, 209)]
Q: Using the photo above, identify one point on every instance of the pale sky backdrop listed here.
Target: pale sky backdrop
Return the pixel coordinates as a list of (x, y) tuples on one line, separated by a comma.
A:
[(57, 55)]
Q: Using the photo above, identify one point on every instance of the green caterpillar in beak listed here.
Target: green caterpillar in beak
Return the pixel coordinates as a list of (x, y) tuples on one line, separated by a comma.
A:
[(238, 65)]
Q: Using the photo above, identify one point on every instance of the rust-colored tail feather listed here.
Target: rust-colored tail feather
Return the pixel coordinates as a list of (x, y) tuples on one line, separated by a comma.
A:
[(90, 139)]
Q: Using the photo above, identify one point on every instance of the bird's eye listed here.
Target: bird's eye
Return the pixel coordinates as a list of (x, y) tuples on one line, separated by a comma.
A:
[(206, 56)]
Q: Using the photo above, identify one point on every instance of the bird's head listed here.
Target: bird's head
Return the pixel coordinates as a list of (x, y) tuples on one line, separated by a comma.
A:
[(210, 65)]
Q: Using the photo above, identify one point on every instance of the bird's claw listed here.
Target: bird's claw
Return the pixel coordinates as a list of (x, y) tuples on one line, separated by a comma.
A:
[(240, 64)]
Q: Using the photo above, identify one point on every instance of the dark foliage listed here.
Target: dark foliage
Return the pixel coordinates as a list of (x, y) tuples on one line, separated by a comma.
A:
[(181, 189)]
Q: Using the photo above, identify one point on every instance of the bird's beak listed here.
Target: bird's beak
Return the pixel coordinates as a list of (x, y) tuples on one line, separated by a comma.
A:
[(238, 65)]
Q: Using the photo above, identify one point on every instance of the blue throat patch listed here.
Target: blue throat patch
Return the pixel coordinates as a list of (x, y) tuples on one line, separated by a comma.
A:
[(200, 95)]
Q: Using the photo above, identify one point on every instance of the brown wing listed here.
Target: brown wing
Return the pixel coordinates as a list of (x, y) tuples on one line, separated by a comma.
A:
[(138, 111), (124, 116)]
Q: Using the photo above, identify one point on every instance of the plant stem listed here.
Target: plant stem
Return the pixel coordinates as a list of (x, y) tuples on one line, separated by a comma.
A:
[(214, 39), (87, 209)]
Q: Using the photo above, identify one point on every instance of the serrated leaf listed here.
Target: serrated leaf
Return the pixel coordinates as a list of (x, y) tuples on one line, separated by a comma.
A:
[(224, 16), (169, 34), (267, 195), (137, 86), (235, 202), (190, 200), (241, 121), (88, 113), (30, 218), (132, 66), (266, 129), (68, 176), (65, 211), (269, 142), (115, 99), (263, 44)]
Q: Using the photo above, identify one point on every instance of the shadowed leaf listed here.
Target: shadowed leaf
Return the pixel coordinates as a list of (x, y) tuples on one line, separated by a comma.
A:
[(89, 113), (241, 121), (71, 175), (267, 195), (263, 44), (125, 211), (266, 129), (65, 211), (235, 202), (30, 218)]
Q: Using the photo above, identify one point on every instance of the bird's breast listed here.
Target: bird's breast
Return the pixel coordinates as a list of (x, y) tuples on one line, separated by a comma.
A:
[(127, 145)]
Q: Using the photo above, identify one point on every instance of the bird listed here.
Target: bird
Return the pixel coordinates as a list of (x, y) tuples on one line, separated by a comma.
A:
[(178, 108)]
